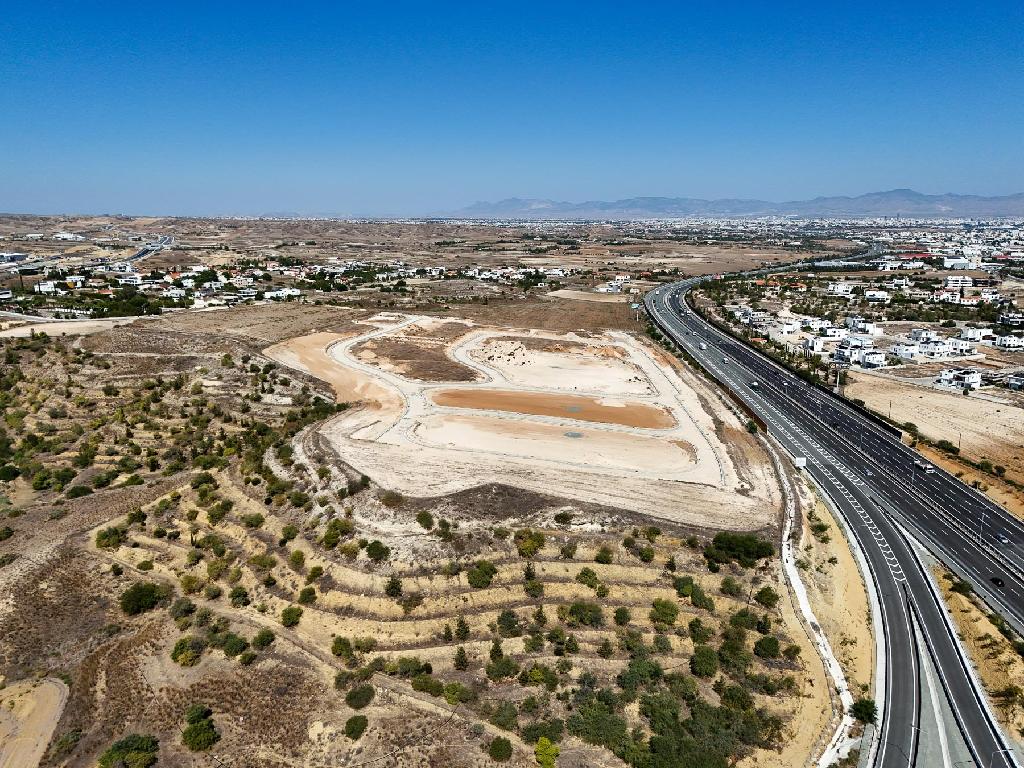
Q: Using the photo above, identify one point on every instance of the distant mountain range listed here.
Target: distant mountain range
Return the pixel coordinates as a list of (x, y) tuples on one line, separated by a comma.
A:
[(896, 202)]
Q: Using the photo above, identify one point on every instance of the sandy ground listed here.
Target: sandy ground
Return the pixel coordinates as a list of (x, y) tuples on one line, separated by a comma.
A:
[(611, 298), (839, 597), (405, 441), (994, 658), (604, 411), (591, 369), (65, 328), (29, 712), (308, 353), (982, 428)]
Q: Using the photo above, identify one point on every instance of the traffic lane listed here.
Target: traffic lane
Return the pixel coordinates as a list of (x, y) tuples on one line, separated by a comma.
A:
[(981, 569), (957, 496)]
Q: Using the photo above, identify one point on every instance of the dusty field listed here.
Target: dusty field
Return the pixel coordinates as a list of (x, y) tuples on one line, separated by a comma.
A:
[(998, 665), (627, 413), (982, 428), (64, 328), (607, 298), (838, 594), (418, 352), (29, 711), (681, 468), (264, 323)]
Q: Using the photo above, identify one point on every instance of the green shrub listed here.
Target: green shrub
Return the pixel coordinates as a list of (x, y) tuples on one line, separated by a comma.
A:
[(425, 519), (200, 735), (622, 616), (377, 552), (604, 556), (290, 616), (307, 596), (111, 538), (133, 751), (744, 548), (360, 696), (500, 749), (78, 491), (767, 647), (731, 587), (704, 662), (864, 710), (355, 726), (188, 650), (528, 542), (589, 614), (481, 574), (767, 597), (664, 612), (143, 596)]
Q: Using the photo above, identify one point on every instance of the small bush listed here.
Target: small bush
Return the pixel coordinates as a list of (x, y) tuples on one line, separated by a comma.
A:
[(500, 749), (360, 696), (200, 735), (355, 726), (291, 615), (481, 574), (864, 710), (143, 596), (134, 750)]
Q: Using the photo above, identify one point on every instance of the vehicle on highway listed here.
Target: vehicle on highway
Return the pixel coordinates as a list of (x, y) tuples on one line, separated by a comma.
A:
[(724, 360), (998, 582), (753, 385), (1002, 539), (928, 468), (703, 345)]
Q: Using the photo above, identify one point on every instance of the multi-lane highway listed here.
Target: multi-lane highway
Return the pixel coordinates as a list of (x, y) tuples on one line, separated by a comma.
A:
[(887, 500)]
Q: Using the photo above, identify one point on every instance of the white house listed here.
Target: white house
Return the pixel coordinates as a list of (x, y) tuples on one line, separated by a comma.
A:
[(875, 296), (959, 281), (960, 347), (935, 349), (923, 334), (975, 334), (1010, 342), (813, 344), (872, 358), (906, 350), (839, 289), (961, 378), (1016, 381)]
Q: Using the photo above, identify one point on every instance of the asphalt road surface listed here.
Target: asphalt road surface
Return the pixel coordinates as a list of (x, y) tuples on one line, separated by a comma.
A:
[(885, 497)]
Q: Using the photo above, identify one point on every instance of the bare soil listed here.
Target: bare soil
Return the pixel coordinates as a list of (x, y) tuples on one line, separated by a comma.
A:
[(579, 407)]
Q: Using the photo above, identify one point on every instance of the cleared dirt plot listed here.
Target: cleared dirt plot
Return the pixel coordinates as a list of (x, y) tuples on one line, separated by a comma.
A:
[(406, 440), (569, 366), (29, 711), (605, 411), (986, 425), (576, 446), (265, 323), (418, 352)]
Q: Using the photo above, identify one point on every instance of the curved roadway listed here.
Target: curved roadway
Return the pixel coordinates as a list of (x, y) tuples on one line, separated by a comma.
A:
[(886, 498)]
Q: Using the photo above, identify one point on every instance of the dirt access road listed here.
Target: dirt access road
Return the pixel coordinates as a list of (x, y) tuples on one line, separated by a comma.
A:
[(29, 712)]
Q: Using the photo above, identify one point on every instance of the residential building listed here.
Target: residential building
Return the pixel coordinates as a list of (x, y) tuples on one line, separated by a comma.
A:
[(961, 378)]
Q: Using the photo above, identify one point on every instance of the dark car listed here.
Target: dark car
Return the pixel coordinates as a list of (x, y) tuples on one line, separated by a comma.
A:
[(998, 582)]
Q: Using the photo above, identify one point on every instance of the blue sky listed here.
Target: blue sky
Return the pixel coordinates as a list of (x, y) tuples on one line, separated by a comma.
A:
[(407, 108)]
